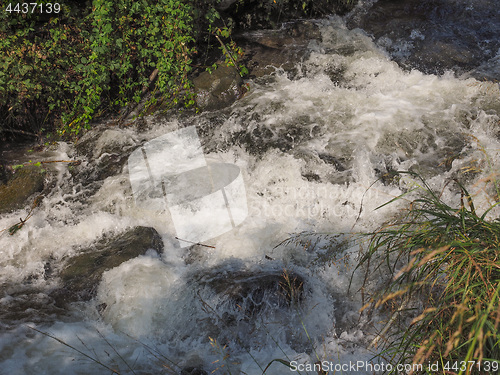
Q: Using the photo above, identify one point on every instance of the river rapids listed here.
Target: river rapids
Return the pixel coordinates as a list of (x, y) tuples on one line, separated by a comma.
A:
[(312, 148)]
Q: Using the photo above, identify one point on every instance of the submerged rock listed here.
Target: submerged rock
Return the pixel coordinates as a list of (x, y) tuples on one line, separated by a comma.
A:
[(82, 274), (16, 193), (238, 304), (107, 151)]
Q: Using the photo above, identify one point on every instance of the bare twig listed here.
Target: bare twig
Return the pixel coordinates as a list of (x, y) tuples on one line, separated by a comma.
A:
[(194, 243)]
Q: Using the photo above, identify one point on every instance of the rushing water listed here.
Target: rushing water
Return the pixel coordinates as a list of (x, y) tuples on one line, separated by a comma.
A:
[(312, 149)]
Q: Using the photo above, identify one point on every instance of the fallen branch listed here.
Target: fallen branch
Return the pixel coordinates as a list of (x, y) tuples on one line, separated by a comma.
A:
[(147, 87), (226, 51), (194, 243), (14, 228), (19, 132)]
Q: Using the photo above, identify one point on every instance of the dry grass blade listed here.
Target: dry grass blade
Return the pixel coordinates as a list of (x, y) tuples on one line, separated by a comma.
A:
[(113, 371), (448, 261)]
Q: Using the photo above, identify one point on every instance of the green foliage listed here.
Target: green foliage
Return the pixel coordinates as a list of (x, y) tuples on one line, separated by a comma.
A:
[(448, 264), (231, 51), (37, 52), (75, 66), (128, 41)]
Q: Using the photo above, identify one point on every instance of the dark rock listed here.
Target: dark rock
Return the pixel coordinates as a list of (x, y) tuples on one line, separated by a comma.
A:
[(258, 15), (239, 302), (82, 274), (303, 31), (250, 293), (433, 35), (224, 4), (16, 192), (193, 371), (218, 89), (336, 162), (109, 141), (488, 71), (267, 50)]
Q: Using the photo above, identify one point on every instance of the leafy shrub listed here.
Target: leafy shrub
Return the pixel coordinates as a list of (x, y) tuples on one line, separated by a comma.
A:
[(37, 53), (78, 64), (128, 42), (63, 70)]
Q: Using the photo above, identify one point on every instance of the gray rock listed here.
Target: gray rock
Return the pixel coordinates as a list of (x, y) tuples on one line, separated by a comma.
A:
[(82, 274), (16, 193), (219, 89), (267, 50), (107, 151), (252, 292), (432, 36)]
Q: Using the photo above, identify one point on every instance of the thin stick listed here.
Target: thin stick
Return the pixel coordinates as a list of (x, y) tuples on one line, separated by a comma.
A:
[(74, 162), (114, 349), (14, 228), (228, 53), (194, 243)]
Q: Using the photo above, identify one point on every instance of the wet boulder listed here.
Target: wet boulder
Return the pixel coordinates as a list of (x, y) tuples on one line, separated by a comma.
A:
[(104, 141), (249, 293), (433, 36), (18, 191), (82, 273), (264, 14), (237, 303), (218, 89), (267, 50)]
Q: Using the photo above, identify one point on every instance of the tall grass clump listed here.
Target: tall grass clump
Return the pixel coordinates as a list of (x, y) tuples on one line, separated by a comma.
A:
[(445, 267)]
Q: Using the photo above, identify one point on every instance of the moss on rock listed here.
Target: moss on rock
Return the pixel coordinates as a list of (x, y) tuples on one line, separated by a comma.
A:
[(16, 192)]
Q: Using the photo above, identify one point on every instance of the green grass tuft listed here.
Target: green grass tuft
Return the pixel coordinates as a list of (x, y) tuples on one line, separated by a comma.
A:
[(445, 263)]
